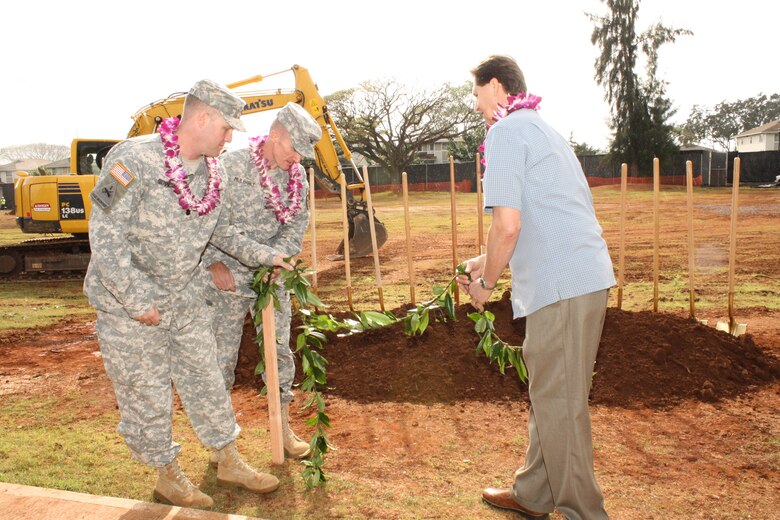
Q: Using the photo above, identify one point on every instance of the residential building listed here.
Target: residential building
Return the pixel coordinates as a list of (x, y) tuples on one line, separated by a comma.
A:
[(437, 152), (764, 138), (8, 171)]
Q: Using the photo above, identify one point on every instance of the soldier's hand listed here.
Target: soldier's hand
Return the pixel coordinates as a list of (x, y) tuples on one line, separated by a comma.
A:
[(222, 277), (279, 262), (150, 317)]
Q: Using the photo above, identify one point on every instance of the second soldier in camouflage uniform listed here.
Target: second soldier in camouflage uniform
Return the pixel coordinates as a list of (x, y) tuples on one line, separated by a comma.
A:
[(279, 222), (144, 281)]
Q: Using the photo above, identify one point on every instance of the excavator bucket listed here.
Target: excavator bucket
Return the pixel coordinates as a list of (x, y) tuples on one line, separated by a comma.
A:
[(360, 237)]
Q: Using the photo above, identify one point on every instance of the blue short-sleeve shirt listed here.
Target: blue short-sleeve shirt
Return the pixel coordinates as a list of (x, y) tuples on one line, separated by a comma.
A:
[(560, 253)]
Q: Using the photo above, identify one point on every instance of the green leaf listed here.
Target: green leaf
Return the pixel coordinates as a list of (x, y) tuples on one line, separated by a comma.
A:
[(378, 319), (301, 293), (262, 302), (315, 300), (449, 304), (415, 318), (475, 316), (481, 325), (424, 322)]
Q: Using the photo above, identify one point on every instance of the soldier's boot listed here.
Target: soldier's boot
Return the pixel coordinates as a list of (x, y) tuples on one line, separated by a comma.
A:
[(294, 447), (173, 487), (234, 472)]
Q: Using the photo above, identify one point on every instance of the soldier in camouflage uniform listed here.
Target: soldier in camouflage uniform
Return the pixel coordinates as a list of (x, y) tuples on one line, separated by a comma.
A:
[(266, 219), (144, 281)]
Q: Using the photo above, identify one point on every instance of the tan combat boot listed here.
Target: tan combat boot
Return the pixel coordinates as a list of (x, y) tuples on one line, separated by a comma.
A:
[(294, 448), (234, 472), (173, 487)]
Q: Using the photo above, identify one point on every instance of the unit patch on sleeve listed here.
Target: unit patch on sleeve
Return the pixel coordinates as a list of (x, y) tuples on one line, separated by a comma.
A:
[(104, 195), (122, 174)]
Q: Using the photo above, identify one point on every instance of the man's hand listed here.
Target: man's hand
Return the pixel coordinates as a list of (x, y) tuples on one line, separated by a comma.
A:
[(479, 296), (222, 277), (474, 269), (150, 317)]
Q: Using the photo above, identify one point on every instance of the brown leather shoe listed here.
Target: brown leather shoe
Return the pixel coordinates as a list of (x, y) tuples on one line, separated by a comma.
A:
[(502, 498)]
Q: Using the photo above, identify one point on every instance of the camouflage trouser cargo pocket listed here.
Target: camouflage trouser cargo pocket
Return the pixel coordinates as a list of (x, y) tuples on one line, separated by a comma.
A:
[(133, 353)]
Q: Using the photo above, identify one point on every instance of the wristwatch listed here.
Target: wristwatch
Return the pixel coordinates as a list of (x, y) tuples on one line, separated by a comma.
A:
[(484, 285)]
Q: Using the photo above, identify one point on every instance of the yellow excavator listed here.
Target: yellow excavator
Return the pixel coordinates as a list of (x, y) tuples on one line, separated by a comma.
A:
[(61, 203)]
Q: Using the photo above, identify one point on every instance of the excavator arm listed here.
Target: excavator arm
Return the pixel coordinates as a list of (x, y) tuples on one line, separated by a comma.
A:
[(148, 119)]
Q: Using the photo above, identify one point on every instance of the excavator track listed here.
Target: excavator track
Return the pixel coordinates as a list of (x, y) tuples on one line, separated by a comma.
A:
[(46, 259)]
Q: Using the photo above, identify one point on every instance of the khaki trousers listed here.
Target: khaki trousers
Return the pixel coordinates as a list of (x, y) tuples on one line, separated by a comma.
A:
[(560, 348)]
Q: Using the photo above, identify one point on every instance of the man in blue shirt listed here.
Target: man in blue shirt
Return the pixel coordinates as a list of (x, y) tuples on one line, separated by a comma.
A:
[(545, 228)]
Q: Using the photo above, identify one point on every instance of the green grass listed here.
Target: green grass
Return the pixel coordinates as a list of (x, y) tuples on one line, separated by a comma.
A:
[(33, 305)]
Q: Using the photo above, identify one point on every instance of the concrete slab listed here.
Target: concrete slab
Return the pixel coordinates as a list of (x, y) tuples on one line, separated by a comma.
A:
[(33, 503)]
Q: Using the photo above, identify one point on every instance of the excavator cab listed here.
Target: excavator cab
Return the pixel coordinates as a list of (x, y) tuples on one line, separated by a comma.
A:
[(61, 203), (55, 204)]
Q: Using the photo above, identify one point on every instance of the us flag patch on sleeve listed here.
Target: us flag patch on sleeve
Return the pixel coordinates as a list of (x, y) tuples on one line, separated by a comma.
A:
[(121, 174)]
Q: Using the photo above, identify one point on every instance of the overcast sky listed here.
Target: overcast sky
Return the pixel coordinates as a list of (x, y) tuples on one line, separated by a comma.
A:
[(82, 68)]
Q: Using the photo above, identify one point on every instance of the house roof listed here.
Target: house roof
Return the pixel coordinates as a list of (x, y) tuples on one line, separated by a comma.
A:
[(696, 148), (769, 128), (62, 163)]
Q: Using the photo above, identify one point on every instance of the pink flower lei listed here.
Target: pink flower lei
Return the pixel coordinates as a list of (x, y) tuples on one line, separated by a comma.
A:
[(521, 100), (273, 196), (177, 175)]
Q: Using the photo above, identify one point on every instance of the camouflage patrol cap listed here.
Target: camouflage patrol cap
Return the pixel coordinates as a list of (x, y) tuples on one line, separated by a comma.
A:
[(305, 132), (217, 96)]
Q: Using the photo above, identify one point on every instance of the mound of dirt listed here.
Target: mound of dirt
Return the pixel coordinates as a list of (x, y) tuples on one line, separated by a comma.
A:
[(645, 359)]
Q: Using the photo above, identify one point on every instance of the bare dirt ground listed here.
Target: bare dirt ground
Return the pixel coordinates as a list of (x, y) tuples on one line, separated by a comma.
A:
[(685, 418)]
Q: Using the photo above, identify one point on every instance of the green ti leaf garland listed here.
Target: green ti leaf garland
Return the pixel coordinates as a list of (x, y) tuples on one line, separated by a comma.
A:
[(311, 339)]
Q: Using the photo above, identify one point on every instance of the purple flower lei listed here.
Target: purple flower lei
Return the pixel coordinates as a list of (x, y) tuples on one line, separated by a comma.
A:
[(521, 100), (272, 194), (175, 172)]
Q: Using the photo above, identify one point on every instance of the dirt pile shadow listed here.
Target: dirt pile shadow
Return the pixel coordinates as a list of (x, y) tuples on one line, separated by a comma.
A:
[(645, 359)]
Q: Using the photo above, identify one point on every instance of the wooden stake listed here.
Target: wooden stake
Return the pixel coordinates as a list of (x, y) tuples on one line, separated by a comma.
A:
[(733, 243), (345, 223), (313, 231), (621, 253), (272, 383), (408, 237), (372, 228), (454, 225), (656, 228), (480, 231), (691, 251)]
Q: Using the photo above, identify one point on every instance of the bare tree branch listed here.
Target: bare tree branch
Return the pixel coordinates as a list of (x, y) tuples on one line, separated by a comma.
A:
[(387, 123), (51, 152)]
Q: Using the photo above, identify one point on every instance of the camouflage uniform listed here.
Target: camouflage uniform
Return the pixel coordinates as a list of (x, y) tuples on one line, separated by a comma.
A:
[(251, 217), (145, 252)]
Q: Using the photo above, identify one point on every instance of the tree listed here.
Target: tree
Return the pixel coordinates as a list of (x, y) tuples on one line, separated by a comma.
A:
[(387, 124), (719, 125), (51, 152), (639, 109), (466, 150), (582, 148)]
